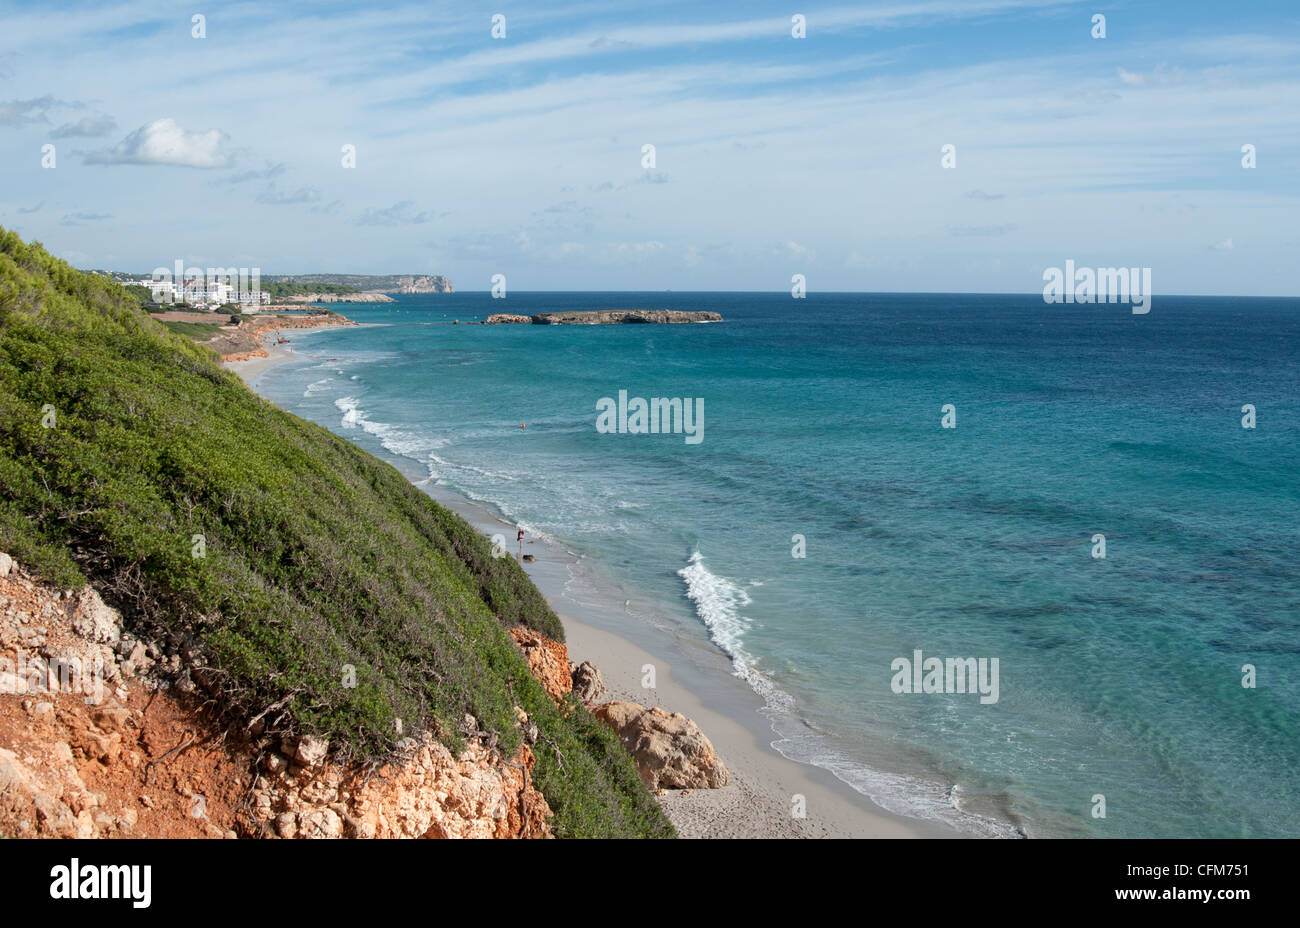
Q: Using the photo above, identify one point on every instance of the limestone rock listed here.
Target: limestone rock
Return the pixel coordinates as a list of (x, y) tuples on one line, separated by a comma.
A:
[(548, 660), (587, 682), (96, 620), (428, 793), (311, 750), (506, 319), (669, 749)]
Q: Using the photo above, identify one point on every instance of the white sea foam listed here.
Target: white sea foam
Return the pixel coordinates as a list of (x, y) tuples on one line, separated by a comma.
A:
[(351, 411), (719, 603), (903, 794), (461, 473), (393, 438), (316, 388)]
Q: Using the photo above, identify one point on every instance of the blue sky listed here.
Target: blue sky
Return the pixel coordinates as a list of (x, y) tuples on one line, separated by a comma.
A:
[(773, 155)]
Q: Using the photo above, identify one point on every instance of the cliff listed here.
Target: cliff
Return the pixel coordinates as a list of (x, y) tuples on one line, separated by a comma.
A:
[(427, 284), (123, 750), (103, 734)]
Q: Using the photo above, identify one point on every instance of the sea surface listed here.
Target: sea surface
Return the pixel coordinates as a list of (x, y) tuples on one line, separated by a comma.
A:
[(1119, 676)]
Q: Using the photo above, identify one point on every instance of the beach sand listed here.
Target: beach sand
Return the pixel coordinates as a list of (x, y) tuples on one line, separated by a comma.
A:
[(762, 798), (254, 368)]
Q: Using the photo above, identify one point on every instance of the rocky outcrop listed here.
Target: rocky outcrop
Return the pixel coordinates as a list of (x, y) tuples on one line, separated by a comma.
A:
[(548, 660), (98, 738), (93, 619), (506, 319), (669, 749), (587, 683), (243, 341), (426, 793), (624, 316), (91, 744)]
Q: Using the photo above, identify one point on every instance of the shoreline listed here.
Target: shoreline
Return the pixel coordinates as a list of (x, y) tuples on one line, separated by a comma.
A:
[(250, 369), (761, 798)]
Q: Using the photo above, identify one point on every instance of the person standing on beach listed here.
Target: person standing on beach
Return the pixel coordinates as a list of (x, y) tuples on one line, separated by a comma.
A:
[(520, 538)]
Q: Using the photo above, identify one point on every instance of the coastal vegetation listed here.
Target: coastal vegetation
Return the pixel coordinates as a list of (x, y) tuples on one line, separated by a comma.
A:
[(201, 331), (300, 579), (283, 289)]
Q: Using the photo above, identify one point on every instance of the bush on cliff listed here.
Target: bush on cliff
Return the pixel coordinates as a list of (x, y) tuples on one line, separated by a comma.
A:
[(289, 559)]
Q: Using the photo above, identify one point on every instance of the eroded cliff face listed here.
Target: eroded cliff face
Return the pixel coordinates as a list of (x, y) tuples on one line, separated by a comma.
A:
[(427, 794), (547, 660), (434, 283), (102, 735)]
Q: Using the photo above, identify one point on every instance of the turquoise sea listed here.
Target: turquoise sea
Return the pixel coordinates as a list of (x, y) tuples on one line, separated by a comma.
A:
[(1118, 676)]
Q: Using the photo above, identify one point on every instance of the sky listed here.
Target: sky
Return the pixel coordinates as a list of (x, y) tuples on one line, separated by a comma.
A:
[(523, 154)]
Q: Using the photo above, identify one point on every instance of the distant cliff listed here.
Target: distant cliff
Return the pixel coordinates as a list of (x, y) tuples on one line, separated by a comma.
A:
[(389, 283), (435, 283)]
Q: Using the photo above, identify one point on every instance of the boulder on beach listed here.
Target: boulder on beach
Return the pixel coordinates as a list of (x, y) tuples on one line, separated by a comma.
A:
[(587, 682), (669, 749)]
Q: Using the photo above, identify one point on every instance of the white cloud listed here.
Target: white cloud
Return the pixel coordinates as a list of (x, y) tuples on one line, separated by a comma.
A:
[(88, 127), (792, 249), (1225, 245), (1130, 78), (272, 196), (402, 213), (33, 111), (164, 142)]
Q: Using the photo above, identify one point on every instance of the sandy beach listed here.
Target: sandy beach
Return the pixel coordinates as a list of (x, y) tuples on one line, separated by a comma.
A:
[(253, 368), (762, 799), (769, 796)]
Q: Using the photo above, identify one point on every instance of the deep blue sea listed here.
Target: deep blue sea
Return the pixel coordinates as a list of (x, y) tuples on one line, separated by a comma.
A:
[(1119, 676)]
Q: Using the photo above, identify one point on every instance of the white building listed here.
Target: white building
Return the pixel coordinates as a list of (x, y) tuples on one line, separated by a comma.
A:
[(252, 300), (163, 291), (201, 292)]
